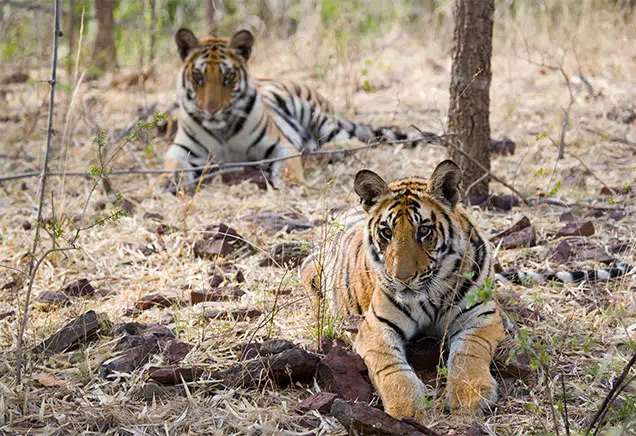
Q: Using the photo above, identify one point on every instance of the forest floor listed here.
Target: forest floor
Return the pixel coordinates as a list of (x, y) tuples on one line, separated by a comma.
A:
[(580, 332)]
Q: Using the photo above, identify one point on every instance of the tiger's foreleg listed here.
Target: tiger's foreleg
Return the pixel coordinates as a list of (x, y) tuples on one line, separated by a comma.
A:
[(382, 349), (472, 345)]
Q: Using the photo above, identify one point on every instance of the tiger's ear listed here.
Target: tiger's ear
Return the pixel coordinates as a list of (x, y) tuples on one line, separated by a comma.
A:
[(445, 182), (242, 42), (369, 187), (186, 41)]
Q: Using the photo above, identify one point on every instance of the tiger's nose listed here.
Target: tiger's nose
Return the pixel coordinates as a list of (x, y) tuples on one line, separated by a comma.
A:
[(404, 278)]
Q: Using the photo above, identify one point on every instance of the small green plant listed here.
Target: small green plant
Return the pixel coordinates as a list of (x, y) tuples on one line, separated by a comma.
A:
[(483, 293)]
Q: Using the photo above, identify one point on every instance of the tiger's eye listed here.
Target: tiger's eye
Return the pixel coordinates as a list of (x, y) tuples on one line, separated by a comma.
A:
[(229, 78), (198, 78), (424, 232), (386, 233)]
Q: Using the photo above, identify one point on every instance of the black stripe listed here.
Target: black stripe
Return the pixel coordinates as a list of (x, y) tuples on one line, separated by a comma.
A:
[(187, 150), (280, 102), (392, 325), (192, 138), (270, 150), (257, 140)]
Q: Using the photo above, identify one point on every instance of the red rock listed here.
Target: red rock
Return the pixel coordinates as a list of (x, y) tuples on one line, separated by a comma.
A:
[(233, 314), (171, 375), (53, 297), (216, 280), (153, 216), (287, 367), (358, 418), (220, 294), (74, 334), (79, 288), (175, 351), (218, 240), (276, 221), (6, 313), (523, 238), (523, 223), (267, 348), (127, 361), (615, 190), (127, 206), (339, 372), (577, 228), (503, 202), (561, 252), (598, 254), (567, 217), (288, 254), (320, 402), (248, 174), (163, 299)]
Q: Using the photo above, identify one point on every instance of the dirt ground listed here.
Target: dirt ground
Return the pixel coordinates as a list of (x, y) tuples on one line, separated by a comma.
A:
[(584, 332)]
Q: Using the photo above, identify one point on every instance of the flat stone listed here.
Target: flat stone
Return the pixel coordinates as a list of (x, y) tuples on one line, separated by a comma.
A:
[(79, 288), (339, 372), (320, 402), (221, 294), (218, 240), (276, 221), (267, 348), (78, 332), (287, 254), (162, 299), (561, 253), (523, 238), (175, 350), (172, 375), (53, 297), (576, 228), (6, 313)]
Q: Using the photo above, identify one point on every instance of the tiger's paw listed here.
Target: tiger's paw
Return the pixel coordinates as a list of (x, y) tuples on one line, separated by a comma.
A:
[(473, 395)]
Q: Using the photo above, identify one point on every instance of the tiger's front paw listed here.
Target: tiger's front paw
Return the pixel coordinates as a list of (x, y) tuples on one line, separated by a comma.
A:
[(478, 394)]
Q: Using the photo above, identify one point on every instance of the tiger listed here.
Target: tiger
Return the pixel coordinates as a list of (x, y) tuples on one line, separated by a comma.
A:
[(228, 116), (409, 262)]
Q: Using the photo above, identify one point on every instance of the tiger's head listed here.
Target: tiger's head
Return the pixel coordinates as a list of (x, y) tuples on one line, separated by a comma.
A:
[(410, 227), (214, 73)]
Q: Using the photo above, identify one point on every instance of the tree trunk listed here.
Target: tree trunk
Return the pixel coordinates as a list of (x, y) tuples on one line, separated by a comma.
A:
[(469, 106), (210, 20), (104, 52)]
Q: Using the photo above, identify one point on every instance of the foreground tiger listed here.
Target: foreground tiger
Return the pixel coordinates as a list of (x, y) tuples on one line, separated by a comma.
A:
[(409, 267), (226, 115)]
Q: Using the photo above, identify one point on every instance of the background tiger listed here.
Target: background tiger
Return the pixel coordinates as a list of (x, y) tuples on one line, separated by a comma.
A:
[(409, 263), (226, 115)]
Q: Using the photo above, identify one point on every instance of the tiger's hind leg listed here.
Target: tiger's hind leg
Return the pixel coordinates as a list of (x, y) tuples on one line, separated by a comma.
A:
[(470, 386)]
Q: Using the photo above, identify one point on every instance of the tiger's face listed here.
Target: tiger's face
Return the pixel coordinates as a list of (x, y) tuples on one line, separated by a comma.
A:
[(408, 227), (214, 71)]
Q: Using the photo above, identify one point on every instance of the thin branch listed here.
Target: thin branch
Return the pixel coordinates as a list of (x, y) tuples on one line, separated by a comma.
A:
[(426, 138), (609, 398), (483, 168), (566, 419), (41, 191), (609, 137)]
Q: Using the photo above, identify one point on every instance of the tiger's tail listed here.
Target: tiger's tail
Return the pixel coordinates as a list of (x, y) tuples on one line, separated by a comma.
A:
[(367, 133), (618, 269)]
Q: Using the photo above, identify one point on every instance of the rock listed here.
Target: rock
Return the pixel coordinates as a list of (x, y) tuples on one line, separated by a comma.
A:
[(163, 299), (267, 348), (218, 240), (216, 280), (503, 202), (523, 238), (561, 253), (128, 361), (175, 351), (290, 253), (233, 314), (577, 228), (137, 329), (289, 366), (617, 215), (6, 313), (249, 174), (146, 250), (358, 418), (132, 311), (276, 221), (598, 254), (619, 248), (615, 190), (172, 375), (153, 216), (239, 277), (127, 206), (166, 319), (162, 229), (53, 297), (567, 217), (26, 225), (105, 293), (503, 147), (518, 366), (320, 402), (78, 332), (79, 288), (339, 372), (521, 224), (595, 213), (220, 294), (152, 391)]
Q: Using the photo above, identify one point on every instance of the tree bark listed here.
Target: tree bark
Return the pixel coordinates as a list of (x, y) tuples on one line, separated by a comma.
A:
[(105, 52), (469, 107), (210, 19)]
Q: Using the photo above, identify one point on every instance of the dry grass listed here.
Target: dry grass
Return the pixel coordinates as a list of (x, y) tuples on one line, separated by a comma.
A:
[(584, 329)]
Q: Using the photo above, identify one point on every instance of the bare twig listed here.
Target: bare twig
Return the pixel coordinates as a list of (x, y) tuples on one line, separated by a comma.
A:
[(609, 137), (483, 168), (617, 387), (566, 420), (41, 192), (224, 165)]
